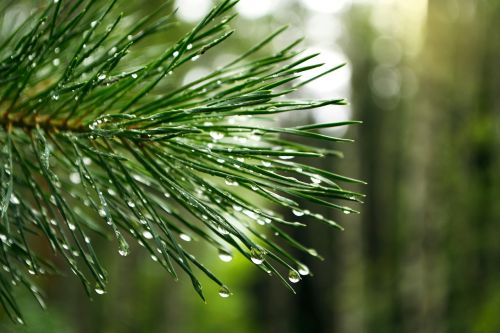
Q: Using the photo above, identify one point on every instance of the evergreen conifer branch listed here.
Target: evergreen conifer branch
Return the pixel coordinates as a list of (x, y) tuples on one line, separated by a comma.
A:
[(92, 142)]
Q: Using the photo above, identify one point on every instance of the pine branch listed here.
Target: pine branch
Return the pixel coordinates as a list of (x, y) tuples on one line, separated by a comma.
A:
[(89, 135)]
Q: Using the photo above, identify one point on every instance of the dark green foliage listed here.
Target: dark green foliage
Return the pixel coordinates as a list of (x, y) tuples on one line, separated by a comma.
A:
[(93, 141)]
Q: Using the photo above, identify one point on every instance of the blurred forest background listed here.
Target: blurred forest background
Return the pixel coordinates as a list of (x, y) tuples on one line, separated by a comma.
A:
[(423, 255)]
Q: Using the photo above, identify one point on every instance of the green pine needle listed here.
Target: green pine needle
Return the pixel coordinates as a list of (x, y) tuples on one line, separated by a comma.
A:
[(94, 142)]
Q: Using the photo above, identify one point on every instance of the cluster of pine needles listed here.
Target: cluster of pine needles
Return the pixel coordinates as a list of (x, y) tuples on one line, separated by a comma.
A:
[(92, 144)]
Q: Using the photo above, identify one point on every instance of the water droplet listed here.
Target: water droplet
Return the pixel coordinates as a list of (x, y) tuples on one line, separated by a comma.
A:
[(74, 177), (237, 208), (99, 291), (196, 57), (93, 24), (147, 234), (14, 200), (256, 256), (250, 214), (297, 212), (101, 77), (303, 270), (222, 230), (266, 164), (255, 137), (287, 157), (231, 182), (131, 204), (293, 276), (346, 210), (175, 54), (313, 252), (56, 62), (189, 47), (134, 75), (102, 212), (185, 237), (225, 255), (216, 135), (224, 292), (315, 180), (123, 247)]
